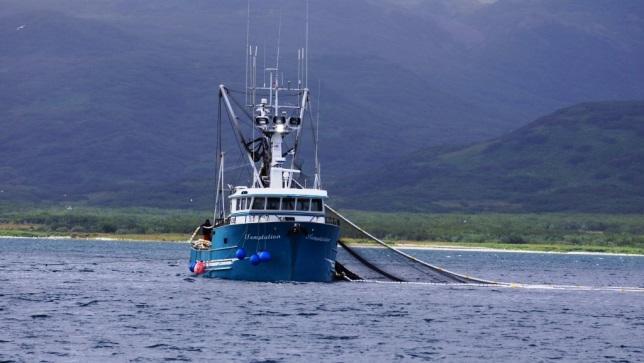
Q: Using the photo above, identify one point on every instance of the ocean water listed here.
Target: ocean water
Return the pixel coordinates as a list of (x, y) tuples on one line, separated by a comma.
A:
[(67, 300)]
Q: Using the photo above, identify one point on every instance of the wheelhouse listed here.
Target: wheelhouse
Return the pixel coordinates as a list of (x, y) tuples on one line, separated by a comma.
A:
[(253, 205)]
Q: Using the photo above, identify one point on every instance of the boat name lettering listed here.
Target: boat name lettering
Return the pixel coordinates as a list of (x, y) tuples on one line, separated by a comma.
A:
[(263, 236)]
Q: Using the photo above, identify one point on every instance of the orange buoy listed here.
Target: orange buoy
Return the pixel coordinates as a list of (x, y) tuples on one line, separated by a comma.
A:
[(200, 267)]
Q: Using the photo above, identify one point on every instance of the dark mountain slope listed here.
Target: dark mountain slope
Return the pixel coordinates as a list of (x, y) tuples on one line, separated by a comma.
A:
[(588, 157), (114, 96)]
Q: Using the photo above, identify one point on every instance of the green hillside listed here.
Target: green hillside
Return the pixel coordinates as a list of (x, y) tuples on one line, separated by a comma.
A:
[(588, 157)]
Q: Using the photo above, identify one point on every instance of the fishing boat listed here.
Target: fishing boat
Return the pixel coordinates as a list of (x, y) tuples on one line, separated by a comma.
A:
[(274, 228)]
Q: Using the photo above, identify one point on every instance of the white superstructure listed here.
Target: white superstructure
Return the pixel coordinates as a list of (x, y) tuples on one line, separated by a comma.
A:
[(276, 113)]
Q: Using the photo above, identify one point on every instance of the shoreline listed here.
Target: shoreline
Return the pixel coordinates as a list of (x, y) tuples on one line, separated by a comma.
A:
[(430, 246), (460, 248)]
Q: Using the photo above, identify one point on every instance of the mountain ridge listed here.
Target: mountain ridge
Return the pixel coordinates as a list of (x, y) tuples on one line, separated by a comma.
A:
[(111, 95), (588, 157)]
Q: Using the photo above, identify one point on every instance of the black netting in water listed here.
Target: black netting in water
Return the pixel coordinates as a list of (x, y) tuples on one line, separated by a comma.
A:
[(386, 263), (354, 260)]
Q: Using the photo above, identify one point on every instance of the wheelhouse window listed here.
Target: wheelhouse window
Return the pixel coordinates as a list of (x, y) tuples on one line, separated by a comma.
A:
[(316, 205), (273, 203), (303, 204), (288, 204), (259, 203), (242, 203)]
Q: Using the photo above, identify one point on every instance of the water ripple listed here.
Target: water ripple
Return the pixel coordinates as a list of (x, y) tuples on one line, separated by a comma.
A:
[(81, 302)]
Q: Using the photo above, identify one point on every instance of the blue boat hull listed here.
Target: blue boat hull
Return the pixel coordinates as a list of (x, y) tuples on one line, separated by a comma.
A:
[(300, 251)]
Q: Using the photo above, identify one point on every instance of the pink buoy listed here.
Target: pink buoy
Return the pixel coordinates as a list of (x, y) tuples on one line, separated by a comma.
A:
[(200, 267)]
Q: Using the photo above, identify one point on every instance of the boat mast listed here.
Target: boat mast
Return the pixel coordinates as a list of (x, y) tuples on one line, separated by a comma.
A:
[(270, 119), (247, 53), (306, 48), (316, 138)]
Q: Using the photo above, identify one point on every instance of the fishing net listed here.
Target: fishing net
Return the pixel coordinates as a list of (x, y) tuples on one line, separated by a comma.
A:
[(380, 261)]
